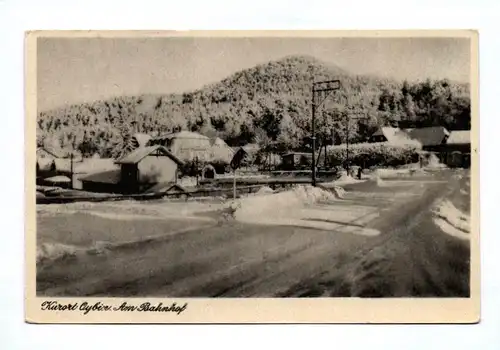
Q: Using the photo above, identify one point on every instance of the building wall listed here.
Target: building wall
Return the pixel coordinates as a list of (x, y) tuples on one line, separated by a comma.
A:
[(378, 138), (77, 183), (100, 187), (154, 169), (186, 143), (434, 148), (191, 148), (454, 159), (458, 155), (293, 161), (288, 161), (190, 154), (129, 178)]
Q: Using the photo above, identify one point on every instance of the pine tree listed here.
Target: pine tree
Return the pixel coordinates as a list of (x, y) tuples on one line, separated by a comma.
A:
[(125, 144)]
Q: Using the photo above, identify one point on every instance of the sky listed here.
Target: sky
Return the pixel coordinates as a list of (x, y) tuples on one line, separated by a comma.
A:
[(75, 70)]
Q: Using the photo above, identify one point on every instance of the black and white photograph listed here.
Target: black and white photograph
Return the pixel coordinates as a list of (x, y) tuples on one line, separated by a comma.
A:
[(256, 166)]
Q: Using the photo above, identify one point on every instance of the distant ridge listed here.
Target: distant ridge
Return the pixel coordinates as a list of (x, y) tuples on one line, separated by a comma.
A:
[(269, 102)]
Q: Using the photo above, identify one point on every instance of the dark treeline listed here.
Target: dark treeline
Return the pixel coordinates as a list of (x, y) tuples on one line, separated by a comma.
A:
[(269, 104)]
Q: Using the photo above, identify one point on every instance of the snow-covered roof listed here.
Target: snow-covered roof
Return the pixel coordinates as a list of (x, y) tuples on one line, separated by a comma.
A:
[(396, 136), (182, 135), (139, 154), (140, 139), (429, 136), (459, 137)]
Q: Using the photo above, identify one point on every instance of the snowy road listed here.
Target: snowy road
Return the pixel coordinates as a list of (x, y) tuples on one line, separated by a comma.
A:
[(409, 256)]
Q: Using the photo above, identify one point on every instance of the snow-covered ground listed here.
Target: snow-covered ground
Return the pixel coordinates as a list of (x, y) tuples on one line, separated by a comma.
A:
[(451, 220), (84, 227), (130, 209), (305, 206)]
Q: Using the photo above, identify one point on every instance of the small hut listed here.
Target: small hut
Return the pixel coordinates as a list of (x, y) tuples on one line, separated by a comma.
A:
[(147, 166), (297, 160), (246, 157), (138, 171)]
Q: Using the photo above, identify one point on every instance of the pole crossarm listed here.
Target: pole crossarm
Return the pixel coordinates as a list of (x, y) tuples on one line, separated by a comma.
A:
[(326, 85)]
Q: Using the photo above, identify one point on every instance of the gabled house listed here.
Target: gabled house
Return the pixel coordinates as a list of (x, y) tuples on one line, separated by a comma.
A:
[(296, 160), (246, 156), (431, 138), (394, 136), (192, 146), (452, 147), (138, 171), (54, 164), (45, 161)]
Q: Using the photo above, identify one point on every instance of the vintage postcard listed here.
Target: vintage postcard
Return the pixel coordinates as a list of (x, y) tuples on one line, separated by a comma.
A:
[(252, 177)]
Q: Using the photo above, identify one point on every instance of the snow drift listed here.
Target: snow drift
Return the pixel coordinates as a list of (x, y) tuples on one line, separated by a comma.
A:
[(304, 206), (434, 163), (130, 210), (278, 204), (451, 220), (264, 190), (54, 251)]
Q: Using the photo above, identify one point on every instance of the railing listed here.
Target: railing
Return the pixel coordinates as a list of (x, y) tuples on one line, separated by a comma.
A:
[(202, 192)]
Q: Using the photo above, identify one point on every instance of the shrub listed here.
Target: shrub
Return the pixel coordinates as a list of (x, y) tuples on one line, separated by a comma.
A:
[(373, 154)]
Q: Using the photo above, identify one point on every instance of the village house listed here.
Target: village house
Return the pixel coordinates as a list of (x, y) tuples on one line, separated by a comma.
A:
[(194, 147), (45, 160), (48, 172), (452, 148), (138, 171), (393, 136), (246, 156), (295, 160), (429, 139)]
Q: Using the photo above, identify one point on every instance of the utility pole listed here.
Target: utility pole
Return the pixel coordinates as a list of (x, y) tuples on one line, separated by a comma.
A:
[(347, 143), (313, 163), (321, 89), (234, 183), (197, 169), (71, 169)]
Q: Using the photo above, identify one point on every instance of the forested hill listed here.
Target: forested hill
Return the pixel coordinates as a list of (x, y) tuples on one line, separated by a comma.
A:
[(268, 104)]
